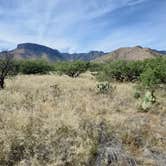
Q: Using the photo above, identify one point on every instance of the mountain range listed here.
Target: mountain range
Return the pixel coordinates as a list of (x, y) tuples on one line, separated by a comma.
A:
[(33, 51)]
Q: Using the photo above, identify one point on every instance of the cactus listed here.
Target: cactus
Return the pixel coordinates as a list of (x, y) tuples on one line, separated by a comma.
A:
[(104, 87), (148, 100)]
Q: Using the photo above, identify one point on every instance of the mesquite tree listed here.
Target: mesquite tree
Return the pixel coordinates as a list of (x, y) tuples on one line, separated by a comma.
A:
[(6, 66)]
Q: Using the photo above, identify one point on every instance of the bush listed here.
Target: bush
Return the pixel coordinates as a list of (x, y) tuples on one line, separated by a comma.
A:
[(149, 72), (149, 78), (122, 71), (95, 67), (35, 67), (72, 69), (154, 73)]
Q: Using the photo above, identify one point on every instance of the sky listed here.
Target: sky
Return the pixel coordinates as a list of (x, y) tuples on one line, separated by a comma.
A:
[(83, 25)]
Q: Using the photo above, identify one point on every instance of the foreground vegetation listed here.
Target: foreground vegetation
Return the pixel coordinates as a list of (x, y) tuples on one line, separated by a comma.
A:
[(58, 120), (82, 113)]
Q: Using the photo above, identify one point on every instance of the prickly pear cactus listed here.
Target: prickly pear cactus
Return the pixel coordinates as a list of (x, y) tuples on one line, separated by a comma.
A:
[(148, 100), (104, 87)]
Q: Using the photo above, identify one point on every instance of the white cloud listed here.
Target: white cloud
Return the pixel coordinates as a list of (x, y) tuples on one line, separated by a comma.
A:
[(135, 2)]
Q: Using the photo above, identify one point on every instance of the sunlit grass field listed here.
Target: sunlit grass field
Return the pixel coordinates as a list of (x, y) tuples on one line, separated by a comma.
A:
[(61, 121)]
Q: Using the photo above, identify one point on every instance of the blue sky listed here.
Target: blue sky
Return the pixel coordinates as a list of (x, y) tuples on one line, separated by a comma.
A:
[(83, 25)]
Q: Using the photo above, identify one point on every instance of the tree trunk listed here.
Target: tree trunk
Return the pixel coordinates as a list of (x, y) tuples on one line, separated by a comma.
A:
[(1, 83)]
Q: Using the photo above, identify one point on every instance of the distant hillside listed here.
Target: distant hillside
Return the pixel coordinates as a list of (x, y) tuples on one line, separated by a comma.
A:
[(161, 52), (130, 54), (30, 50), (33, 51), (83, 56)]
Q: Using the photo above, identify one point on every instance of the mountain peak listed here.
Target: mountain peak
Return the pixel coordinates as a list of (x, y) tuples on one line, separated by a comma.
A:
[(32, 50), (27, 45), (138, 46), (130, 54), (34, 46)]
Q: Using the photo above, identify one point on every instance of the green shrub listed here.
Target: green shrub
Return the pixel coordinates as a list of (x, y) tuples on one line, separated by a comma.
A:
[(149, 72), (72, 69), (134, 70), (116, 70), (35, 67), (121, 71), (95, 67), (154, 72), (149, 77)]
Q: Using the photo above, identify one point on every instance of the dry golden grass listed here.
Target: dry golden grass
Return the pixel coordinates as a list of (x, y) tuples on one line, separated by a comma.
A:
[(55, 120)]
